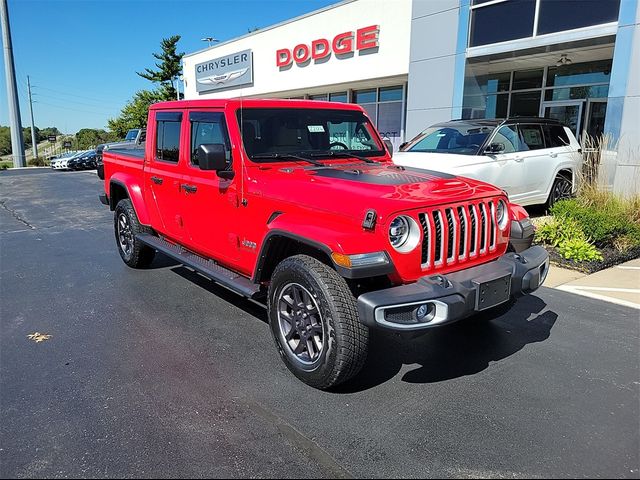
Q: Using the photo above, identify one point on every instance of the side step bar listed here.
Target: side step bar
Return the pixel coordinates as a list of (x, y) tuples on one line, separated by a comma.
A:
[(208, 268)]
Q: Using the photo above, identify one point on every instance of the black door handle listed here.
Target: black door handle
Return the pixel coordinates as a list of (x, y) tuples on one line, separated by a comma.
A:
[(189, 188), (156, 180)]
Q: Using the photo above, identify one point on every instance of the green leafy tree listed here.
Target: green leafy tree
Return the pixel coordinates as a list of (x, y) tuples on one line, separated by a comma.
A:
[(134, 113), (44, 133), (5, 140), (91, 137), (168, 67)]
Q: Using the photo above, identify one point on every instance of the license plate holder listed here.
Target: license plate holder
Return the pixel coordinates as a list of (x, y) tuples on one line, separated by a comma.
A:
[(492, 292)]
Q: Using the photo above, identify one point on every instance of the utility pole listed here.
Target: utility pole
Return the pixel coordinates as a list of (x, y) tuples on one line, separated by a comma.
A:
[(17, 146), (34, 140)]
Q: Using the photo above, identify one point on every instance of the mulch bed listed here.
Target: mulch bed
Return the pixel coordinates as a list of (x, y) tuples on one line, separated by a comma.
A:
[(611, 257)]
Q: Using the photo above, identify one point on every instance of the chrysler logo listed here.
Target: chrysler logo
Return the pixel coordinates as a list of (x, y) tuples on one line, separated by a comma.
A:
[(222, 78), (231, 70)]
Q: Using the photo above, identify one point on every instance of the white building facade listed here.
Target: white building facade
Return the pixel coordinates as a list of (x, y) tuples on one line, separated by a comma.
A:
[(413, 63)]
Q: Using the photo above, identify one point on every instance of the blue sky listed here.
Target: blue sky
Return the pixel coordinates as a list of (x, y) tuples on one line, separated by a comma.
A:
[(82, 55)]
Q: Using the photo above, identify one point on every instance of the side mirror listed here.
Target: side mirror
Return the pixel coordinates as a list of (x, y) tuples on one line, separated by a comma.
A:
[(494, 148), (212, 156), (389, 146)]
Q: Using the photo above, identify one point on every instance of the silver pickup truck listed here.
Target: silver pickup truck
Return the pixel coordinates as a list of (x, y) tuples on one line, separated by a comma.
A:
[(135, 138)]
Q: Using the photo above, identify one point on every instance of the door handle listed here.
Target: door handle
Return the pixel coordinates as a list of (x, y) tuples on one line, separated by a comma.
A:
[(553, 155), (156, 180), (189, 188), (519, 159)]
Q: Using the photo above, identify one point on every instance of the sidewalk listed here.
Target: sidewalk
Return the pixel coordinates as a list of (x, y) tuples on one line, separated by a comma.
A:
[(619, 284)]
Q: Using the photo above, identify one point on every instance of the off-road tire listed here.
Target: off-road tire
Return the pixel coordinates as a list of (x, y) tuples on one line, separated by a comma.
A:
[(133, 252), (344, 340)]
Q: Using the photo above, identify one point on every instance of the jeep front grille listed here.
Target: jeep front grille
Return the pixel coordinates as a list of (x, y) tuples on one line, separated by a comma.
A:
[(451, 234)]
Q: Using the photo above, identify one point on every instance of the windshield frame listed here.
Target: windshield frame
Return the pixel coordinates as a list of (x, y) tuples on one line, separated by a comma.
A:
[(316, 154), (457, 126)]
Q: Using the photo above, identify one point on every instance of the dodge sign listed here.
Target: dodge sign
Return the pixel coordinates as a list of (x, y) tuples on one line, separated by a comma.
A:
[(229, 71)]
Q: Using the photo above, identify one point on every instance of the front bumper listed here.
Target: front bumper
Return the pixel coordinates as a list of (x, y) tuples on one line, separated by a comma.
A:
[(439, 299)]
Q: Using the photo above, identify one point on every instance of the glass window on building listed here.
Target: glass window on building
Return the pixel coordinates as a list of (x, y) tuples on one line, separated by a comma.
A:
[(526, 79), (579, 74), (504, 20), (367, 100), (561, 15), (338, 97), (384, 106), (390, 94), (501, 22), (485, 106), (525, 104), (322, 97), (566, 94), (487, 84)]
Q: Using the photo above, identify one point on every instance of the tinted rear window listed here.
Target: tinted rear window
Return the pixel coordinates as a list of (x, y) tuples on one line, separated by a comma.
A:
[(556, 136)]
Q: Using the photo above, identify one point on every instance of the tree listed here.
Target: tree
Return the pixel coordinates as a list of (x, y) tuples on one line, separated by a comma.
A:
[(134, 113), (169, 68), (90, 137)]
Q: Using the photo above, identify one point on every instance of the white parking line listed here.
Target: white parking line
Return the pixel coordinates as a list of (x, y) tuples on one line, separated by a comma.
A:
[(610, 289), (623, 267), (588, 292)]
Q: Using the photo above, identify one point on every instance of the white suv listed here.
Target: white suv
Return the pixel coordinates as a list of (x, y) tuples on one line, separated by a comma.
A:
[(535, 160)]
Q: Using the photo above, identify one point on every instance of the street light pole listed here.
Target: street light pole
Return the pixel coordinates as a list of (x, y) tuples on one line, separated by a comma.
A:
[(34, 140), (17, 145), (209, 40)]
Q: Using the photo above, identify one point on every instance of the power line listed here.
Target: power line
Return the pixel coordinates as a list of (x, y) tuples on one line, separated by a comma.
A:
[(51, 97), (60, 92), (73, 109)]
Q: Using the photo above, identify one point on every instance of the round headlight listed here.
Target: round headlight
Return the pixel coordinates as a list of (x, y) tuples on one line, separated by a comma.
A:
[(404, 233), (502, 214), (398, 231)]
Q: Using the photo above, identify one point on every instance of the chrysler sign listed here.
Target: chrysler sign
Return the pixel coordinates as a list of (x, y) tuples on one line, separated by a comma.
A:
[(229, 71)]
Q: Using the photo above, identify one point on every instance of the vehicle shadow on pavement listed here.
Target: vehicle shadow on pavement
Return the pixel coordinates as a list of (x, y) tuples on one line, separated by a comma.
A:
[(465, 348), (162, 261), (452, 351), (223, 293)]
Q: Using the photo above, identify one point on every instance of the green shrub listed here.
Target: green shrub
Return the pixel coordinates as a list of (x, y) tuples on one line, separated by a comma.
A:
[(578, 249), (555, 231), (602, 222), (568, 237), (36, 162)]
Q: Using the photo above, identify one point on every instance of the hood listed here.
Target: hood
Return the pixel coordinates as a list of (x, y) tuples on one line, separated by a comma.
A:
[(352, 189), (446, 162)]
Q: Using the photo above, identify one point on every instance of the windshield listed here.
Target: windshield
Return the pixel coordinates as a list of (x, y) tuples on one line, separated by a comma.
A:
[(131, 135), (463, 139), (272, 133)]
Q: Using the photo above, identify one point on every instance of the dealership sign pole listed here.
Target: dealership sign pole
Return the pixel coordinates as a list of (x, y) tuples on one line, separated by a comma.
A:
[(17, 146)]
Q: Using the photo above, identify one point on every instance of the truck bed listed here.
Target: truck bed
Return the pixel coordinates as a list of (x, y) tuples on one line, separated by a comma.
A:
[(125, 152)]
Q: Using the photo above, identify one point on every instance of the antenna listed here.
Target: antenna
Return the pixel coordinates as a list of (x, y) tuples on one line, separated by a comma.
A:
[(243, 200)]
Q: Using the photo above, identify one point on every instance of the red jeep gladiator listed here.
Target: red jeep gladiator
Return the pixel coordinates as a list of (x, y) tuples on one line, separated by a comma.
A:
[(297, 204)]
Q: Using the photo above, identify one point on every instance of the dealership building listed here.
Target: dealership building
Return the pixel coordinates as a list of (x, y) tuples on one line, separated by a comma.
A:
[(413, 63)]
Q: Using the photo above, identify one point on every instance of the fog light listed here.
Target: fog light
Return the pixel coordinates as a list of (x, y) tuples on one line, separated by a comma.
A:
[(425, 312)]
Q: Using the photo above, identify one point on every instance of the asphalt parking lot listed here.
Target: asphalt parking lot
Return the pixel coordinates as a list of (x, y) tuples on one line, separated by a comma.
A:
[(161, 373)]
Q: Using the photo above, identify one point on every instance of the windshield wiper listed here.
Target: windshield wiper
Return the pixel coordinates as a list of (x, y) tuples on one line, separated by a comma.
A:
[(276, 156), (334, 153)]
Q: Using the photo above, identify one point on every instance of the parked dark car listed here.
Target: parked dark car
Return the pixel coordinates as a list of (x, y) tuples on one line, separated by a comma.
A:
[(87, 161)]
